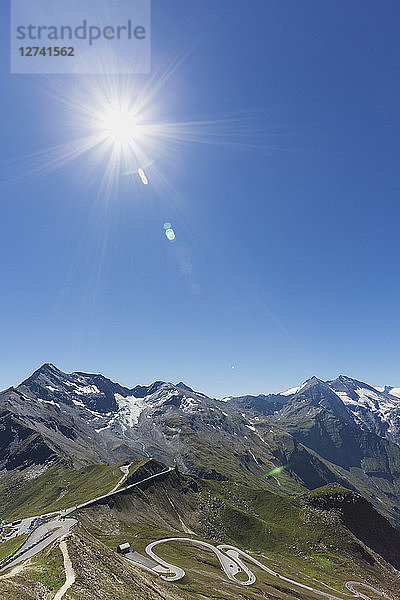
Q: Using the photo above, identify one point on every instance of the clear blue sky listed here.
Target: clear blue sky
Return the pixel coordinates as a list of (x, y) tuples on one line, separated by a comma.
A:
[(286, 258)]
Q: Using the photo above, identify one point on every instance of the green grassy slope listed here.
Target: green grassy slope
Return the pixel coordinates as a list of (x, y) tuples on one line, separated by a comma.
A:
[(58, 487), (301, 537), (289, 530)]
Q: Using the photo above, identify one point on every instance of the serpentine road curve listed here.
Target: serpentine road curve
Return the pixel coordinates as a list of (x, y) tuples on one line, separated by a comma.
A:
[(231, 561)]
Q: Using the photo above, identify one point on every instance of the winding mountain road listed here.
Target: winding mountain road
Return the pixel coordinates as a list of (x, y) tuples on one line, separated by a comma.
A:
[(230, 558), (232, 562)]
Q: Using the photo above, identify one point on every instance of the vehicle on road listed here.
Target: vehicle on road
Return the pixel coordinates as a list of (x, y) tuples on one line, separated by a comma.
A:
[(124, 548)]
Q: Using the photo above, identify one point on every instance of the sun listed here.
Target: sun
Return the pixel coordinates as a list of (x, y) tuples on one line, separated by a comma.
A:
[(120, 129), (119, 126), (124, 127)]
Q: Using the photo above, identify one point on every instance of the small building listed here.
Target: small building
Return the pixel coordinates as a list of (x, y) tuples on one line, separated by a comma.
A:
[(124, 548)]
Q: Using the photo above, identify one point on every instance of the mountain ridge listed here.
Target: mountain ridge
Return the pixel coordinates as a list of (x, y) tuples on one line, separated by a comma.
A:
[(316, 434)]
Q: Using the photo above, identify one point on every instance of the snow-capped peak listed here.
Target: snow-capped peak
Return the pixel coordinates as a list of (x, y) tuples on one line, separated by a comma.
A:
[(389, 390), (376, 409)]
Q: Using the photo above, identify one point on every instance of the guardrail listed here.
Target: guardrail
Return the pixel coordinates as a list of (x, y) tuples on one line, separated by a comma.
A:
[(14, 554)]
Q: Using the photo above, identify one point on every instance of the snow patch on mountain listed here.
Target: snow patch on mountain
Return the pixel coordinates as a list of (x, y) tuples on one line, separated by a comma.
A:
[(389, 390), (103, 428), (48, 402), (189, 404), (86, 389), (375, 409), (130, 409), (294, 390), (251, 427), (375, 401), (78, 403), (290, 391), (345, 398)]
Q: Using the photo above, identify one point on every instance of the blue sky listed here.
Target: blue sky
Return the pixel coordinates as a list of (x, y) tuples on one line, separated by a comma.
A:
[(286, 258)]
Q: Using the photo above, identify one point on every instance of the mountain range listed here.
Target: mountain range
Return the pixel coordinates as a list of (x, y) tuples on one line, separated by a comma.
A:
[(342, 431)]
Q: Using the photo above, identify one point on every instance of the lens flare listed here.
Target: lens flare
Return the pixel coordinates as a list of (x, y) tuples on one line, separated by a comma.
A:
[(277, 470), (170, 233), (143, 177)]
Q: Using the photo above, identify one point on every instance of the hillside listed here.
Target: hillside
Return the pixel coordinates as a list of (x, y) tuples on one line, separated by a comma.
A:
[(306, 537), (294, 479)]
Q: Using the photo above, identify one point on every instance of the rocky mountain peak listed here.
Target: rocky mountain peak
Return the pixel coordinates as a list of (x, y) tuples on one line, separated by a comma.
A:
[(46, 370), (309, 383), (141, 391), (185, 387)]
